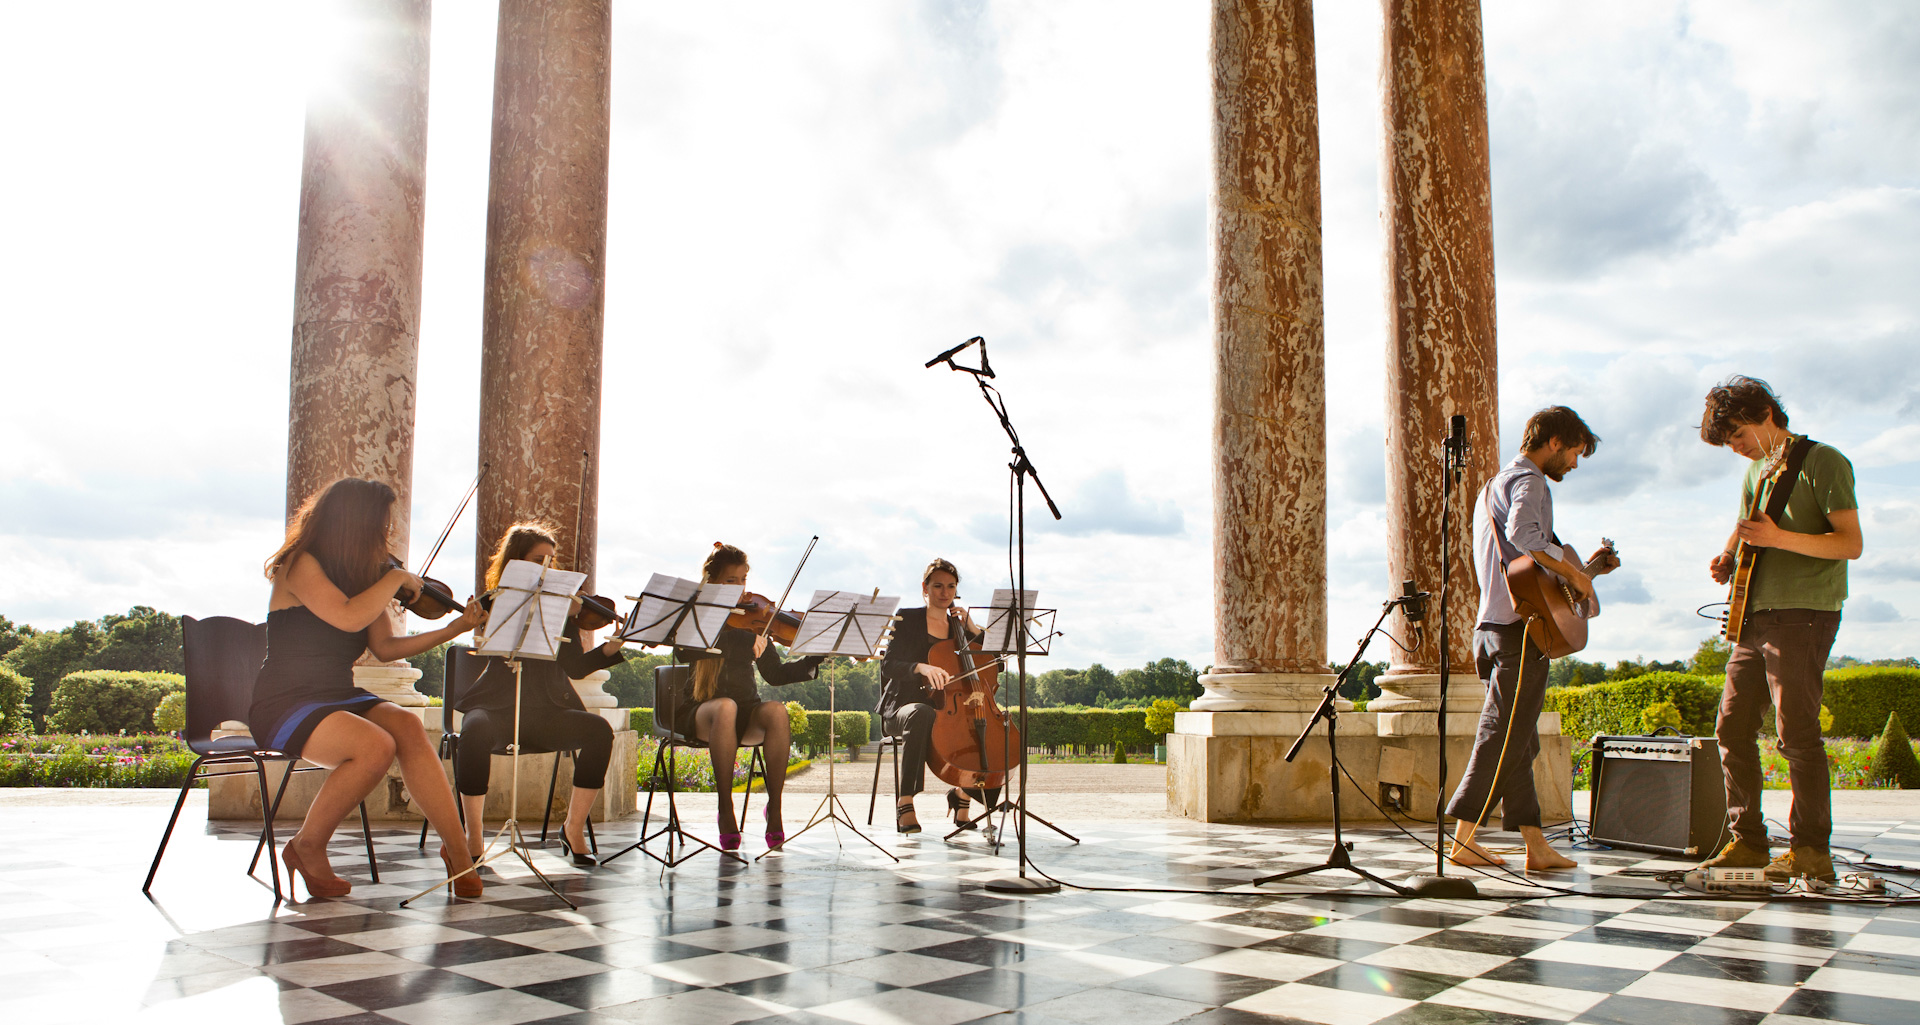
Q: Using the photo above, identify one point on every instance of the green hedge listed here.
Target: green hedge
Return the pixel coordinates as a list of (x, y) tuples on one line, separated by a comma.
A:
[(853, 728), (103, 701), (1862, 697), (1054, 728), (15, 714), (1614, 707)]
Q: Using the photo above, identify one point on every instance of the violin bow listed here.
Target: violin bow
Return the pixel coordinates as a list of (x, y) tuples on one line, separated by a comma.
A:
[(804, 556), (455, 518)]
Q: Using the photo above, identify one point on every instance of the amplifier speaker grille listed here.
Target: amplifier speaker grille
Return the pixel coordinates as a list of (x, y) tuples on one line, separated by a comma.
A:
[(1670, 801)]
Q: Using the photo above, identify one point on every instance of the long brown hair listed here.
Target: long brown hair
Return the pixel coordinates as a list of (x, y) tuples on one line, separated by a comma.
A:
[(346, 527), (515, 544), (706, 672)]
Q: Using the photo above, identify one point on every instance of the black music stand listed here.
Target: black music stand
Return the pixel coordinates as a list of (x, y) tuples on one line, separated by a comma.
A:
[(681, 614), (535, 635), (839, 623)]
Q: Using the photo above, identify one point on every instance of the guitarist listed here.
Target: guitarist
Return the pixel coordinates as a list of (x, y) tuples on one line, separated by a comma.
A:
[(1514, 517), (1798, 510)]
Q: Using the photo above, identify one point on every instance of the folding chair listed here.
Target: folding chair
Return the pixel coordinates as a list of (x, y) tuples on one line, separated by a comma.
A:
[(223, 658), (888, 739), (672, 687), (463, 671)]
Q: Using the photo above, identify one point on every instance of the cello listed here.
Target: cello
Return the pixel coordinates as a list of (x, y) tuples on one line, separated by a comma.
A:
[(972, 746)]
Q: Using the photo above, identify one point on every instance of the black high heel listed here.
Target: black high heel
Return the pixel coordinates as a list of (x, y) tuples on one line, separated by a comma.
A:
[(957, 803), (581, 859), (900, 814)]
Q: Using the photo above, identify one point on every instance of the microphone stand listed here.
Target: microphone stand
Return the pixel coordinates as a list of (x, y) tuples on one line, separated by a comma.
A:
[(1022, 468), (1453, 463)]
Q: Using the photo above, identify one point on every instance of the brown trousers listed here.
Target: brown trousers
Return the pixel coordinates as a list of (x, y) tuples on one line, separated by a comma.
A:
[(1781, 659)]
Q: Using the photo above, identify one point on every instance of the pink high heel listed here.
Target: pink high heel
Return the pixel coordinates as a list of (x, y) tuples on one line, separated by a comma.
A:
[(730, 841)]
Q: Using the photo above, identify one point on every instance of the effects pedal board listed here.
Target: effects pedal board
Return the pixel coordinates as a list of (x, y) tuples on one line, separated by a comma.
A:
[(1730, 880)]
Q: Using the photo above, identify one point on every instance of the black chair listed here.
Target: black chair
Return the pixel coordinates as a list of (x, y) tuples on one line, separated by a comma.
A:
[(223, 657), (887, 740), (673, 689), (463, 671)]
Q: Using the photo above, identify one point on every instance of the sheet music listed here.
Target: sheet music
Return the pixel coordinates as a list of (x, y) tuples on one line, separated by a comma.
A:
[(523, 624), (844, 623), (1000, 634), (657, 619)]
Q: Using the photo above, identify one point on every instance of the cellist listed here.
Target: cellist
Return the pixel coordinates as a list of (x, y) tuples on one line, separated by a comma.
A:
[(908, 683)]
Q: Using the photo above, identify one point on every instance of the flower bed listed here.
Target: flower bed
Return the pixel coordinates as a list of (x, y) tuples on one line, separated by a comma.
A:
[(83, 760)]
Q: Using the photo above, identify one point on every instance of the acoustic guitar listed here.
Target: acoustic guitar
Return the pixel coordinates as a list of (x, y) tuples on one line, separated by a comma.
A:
[(1746, 556), (1541, 595)]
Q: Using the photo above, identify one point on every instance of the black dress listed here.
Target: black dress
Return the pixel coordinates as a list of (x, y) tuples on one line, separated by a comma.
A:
[(551, 715), (736, 675), (307, 676)]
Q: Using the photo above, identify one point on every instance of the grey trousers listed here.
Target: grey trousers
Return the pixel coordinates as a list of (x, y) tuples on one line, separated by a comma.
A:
[(1516, 687)]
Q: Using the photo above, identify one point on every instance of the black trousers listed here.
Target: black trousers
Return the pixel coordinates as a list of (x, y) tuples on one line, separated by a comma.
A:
[(483, 732), (914, 725), (1516, 688)]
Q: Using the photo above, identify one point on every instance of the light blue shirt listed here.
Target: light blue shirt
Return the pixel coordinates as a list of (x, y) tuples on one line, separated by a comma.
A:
[(1513, 517)]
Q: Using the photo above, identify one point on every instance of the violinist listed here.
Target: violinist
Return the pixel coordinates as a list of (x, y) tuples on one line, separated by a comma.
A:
[(908, 683), (727, 711), (551, 714), (333, 592)]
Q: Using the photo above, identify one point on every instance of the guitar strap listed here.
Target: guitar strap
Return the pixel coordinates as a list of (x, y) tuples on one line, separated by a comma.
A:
[(1790, 476)]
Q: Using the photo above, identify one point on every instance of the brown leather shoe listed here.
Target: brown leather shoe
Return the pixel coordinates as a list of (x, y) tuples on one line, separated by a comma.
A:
[(1736, 854), (1802, 863)]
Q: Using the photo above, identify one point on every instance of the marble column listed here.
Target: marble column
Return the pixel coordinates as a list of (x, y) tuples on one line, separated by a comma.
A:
[(546, 273), (1269, 427), (356, 321), (1438, 201)]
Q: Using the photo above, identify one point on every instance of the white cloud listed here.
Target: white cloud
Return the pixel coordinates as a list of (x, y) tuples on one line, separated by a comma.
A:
[(806, 203)]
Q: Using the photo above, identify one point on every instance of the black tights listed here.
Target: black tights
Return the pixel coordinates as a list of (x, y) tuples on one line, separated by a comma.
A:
[(483, 732)]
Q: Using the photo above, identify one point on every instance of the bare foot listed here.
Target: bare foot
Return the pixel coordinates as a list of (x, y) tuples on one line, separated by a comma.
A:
[(1546, 859), (1471, 853)]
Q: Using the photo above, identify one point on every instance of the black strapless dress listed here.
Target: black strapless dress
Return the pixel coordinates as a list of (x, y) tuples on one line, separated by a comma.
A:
[(308, 675)]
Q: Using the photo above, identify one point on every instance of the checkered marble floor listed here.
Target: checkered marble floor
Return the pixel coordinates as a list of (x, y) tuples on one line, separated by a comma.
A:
[(842, 934)]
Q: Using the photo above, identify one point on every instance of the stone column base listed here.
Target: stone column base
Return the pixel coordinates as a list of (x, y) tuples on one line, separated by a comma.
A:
[(1231, 767)]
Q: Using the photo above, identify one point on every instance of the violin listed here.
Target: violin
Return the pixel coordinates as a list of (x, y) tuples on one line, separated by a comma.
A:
[(757, 612), (972, 745), (596, 613), (432, 601)]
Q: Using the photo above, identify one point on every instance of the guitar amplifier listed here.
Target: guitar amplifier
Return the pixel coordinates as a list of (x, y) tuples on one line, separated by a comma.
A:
[(1663, 794)]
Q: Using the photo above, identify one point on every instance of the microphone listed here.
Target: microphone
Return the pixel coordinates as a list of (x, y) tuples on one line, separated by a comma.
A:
[(950, 353), (1413, 604)]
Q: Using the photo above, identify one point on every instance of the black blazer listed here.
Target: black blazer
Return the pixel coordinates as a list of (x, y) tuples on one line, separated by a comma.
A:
[(543, 684), (899, 684)]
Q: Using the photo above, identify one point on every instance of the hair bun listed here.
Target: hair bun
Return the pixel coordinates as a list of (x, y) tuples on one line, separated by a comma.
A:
[(719, 544)]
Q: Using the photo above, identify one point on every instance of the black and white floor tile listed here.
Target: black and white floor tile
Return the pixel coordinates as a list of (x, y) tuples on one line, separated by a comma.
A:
[(841, 935)]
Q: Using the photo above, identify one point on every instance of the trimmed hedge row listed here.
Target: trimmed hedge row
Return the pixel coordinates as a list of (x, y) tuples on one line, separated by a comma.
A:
[(102, 701), (1614, 707), (1860, 699), (1050, 728)]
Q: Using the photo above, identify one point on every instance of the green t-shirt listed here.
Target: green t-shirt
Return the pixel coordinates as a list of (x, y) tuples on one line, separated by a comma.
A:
[(1789, 580)]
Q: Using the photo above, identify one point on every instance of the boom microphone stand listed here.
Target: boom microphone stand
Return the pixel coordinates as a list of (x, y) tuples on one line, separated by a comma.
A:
[(1022, 468), (1453, 463), (1339, 856)]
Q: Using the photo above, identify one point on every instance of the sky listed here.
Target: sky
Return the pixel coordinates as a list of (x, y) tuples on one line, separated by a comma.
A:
[(808, 201)]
